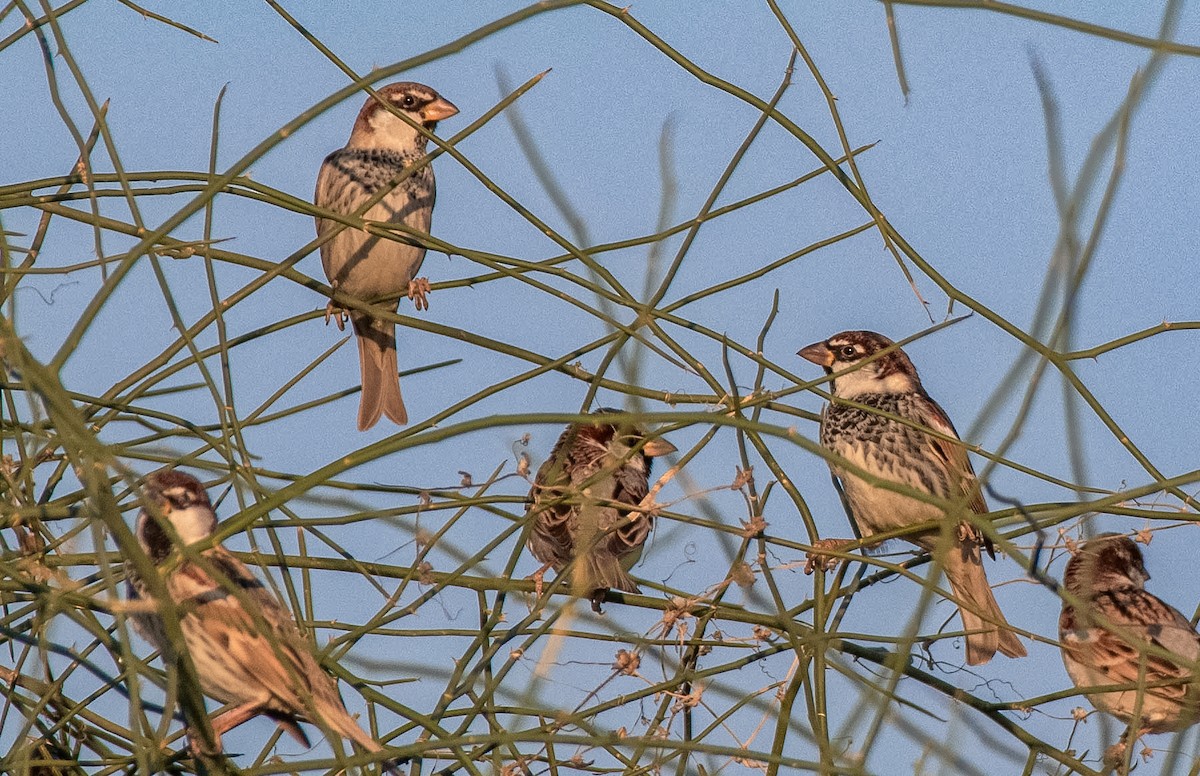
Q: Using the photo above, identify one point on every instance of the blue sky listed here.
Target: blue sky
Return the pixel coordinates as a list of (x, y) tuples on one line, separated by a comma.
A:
[(961, 168)]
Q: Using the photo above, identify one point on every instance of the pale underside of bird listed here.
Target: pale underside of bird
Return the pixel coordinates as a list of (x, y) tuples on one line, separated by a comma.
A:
[(882, 423), (380, 161), (1113, 632), (584, 501), (244, 644)]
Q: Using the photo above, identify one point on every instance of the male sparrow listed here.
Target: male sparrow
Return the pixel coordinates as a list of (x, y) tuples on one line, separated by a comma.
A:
[(374, 268), (879, 421), (581, 501), (1113, 632), (243, 642)]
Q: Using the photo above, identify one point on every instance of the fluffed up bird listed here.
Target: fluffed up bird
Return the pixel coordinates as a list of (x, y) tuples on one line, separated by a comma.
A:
[(244, 644), (583, 502), (370, 267), (877, 421), (1114, 632)]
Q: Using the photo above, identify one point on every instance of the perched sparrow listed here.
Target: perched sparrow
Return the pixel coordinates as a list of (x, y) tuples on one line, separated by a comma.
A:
[(371, 268), (868, 435), (1115, 633), (244, 644), (580, 505)]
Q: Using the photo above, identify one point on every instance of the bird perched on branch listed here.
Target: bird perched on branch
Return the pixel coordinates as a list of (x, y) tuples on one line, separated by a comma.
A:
[(382, 149), (1114, 632), (583, 504), (243, 642), (882, 422)]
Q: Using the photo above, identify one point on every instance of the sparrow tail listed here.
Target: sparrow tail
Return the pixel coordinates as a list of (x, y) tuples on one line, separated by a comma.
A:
[(340, 721), (291, 726), (599, 570), (380, 372), (988, 630)]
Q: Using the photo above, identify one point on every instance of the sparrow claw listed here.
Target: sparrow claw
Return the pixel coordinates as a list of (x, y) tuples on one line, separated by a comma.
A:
[(814, 560), (539, 579), (196, 747), (1114, 756), (338, 315), (969, 534), (418, 290)]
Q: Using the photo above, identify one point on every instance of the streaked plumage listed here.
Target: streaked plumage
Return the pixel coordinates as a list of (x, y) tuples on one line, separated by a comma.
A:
[(578, 504), (243, 642), (1121, 634), (373, 268), (870, 437)]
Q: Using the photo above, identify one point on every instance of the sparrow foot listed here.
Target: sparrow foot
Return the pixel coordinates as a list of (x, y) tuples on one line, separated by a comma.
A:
[(1114, 756), (968, 533), (337, 314), (815, 560), (418, 290), (539, 580), (196, 746)]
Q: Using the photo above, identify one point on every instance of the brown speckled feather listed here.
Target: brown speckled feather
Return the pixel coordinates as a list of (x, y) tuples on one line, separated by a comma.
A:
[(244, 643), (881, 421), (382, 147), (260, 640), (1144, 621), (1120, 633), (954, 454), (580, 505)]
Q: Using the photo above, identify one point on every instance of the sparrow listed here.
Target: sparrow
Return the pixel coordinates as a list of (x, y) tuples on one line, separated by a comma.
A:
[(374, 268), (1113, 632), (583, 500), (245, 645), (873, 392)]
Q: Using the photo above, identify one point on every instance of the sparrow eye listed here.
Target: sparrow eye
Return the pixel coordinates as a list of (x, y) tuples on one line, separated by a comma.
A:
[(847, 351), (408, 101)]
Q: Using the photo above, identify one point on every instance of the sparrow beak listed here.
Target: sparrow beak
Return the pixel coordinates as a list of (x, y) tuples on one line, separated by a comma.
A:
[(439, 109), (658, 447), (818, 353)]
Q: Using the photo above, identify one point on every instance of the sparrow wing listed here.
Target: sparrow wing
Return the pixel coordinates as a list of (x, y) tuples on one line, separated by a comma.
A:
[(952, 454), (1138, 619), (630, 485), (258, 636), (553, 506), (268, 643), (576, 496)]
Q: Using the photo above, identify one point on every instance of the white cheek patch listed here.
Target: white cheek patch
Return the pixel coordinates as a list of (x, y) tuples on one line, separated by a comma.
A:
[(856, 383), (193, 524), (895, 383), (392, 130), (865, 380)]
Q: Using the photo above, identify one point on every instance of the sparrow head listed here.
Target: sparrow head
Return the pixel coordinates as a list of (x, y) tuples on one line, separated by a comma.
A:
[(891, 372), (619, 439), (616, 441), (179, 499), (378, 127), (1108, 562)]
